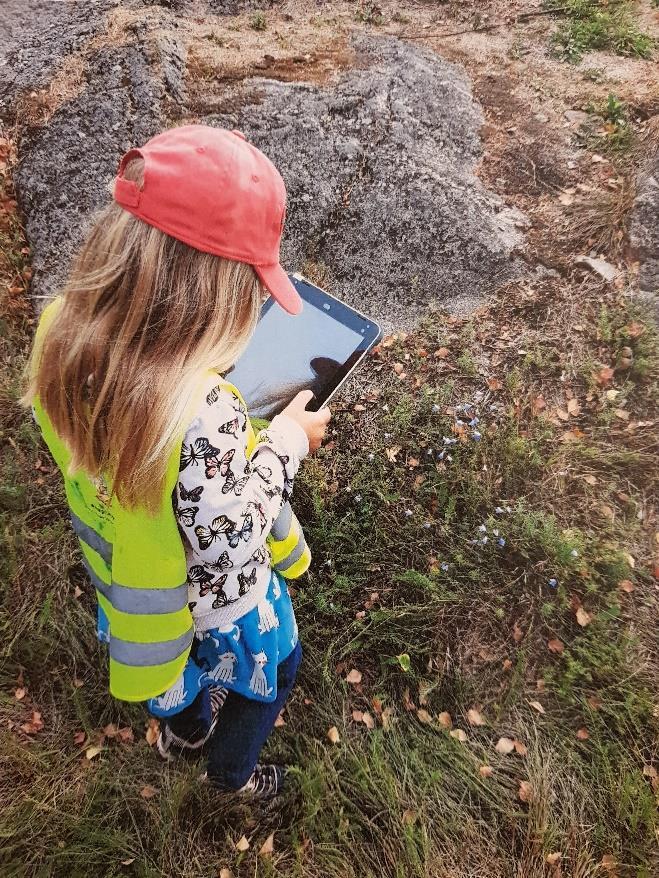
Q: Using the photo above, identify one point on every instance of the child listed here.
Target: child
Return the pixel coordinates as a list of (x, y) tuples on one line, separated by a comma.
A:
[(181, 510)]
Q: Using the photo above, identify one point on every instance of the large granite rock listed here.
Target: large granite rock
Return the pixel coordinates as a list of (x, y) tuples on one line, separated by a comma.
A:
[(380, 165), (644, 228)]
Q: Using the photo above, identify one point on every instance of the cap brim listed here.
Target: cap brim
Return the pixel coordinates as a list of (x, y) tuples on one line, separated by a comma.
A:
[(276, 281)]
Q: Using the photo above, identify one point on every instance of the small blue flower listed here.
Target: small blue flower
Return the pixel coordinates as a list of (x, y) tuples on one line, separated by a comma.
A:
[(387, 435), (501, 542), (371, 456), (449, 458), (476, 436), (482, 528), (429, 451), (385, 408), (484, 540), (444, 566), (574, 553), (499, 510), (459, 423), (552, 583), (408, 513), (427, 525), (508, 509), (435, 409), (358, 498), (473, 422), (495, 532), (441, 455)]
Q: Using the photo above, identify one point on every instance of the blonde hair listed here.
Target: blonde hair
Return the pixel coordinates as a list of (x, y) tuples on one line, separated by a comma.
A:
[(144, 318)]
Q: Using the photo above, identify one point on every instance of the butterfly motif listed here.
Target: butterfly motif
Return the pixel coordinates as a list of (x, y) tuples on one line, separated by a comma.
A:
[(196, 451), (221, 599), (219, 525), (222, 563), (264, 471), (244, 533), (260, 511), (260, 556), (246, 582), (272, 492), (215, 466), (214, 395), (198, 575), (194, 494), (234, 484), (192, 605), (230, 427), (187, 516), (284, 458)]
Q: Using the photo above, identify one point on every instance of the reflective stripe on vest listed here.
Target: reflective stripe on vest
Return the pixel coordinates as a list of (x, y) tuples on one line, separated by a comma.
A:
[(139, 601), (140, 655), (93, 539)]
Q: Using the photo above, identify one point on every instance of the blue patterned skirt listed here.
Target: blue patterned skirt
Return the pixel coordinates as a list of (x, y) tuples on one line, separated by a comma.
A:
[(242, 656)]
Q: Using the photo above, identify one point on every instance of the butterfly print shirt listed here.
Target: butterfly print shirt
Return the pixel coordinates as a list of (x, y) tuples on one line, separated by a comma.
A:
[(226, 503)]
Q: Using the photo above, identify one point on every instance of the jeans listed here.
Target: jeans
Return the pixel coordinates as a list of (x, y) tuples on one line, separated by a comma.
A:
[(242, 730)]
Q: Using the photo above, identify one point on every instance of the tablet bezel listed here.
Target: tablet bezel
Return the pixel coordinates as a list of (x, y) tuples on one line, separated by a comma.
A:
[(314, 296)]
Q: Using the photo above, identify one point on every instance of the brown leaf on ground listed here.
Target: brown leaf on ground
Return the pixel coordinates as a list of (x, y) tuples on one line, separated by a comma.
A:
[(525, 792), (517, 633), (583, 618), (392, 453), (19, 694), (507, 665), (280, 721), (626, 585), (538, 404), (409, 817), (583, 734), (110, 731), (573, 407), (148, 792), (520, 749), (385, 719), (126, 735), (609, 863), (444, 719), (399, 368), (354, 676), (92, 752), (459, 734), (368, 720), (242, 844), (225, 873), (333, 735), (590, 480), (79, 738), (555, 645), (604, 377), (424, 716), (593, 702), (442, 353), (494, 384), (152, 731), (485, 771), (562, 414), (505, 746), (552, 859), (474, 718), (268, 846), (34, 725), (537, 706)]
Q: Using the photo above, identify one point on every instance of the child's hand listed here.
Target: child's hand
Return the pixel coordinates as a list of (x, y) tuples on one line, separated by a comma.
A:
[(314, 424)]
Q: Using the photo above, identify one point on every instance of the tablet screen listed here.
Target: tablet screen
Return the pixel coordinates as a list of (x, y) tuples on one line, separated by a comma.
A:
[(288, 354)]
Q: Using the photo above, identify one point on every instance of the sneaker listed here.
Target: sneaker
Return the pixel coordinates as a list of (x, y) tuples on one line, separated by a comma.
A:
[(266, 782), (167, 739)]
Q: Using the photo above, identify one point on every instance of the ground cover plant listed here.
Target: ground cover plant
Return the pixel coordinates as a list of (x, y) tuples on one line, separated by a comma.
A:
[(476, 696), (598, 24)]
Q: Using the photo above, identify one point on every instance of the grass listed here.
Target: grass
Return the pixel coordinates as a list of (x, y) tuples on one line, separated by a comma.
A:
[(589, 25), (403, 588)]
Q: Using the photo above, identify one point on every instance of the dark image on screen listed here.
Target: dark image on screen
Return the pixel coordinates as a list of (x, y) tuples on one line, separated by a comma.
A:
[(289, 354)]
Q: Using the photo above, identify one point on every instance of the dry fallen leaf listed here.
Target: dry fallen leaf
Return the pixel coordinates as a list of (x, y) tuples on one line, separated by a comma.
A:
[(409, 817), (110, 731), (609, 862), (354, 676), (474, 718), (573, 407), (398, 368), (517, 633), (333, 735), (583, 618), (392, 453), (555, 645), (368, 720), (593, 702), (444, 719), (91, 752), (562, 414), (126, 735), (242, 845), (280, 721), (494, 384), (520, 748), (525, 791), (582, 734), (79, 738), (506, 665), (604, 376), (148, 792), (590, 480), (225, 873), (485, 771), (505, 746), (626, 585), (537, 706), (424, 716), (152, 731), (268, 846), (552, 859), (442, 353), (19, 694), (459, 734)]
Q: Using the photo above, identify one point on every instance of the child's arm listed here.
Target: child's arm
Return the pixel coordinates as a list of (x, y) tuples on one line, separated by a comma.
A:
[(225, 502)]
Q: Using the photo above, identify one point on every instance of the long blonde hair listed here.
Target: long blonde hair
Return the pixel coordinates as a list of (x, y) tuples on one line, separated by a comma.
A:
[(144, 317)]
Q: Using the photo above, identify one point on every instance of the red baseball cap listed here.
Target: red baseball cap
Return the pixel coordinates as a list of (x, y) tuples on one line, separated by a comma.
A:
[(214, 191)]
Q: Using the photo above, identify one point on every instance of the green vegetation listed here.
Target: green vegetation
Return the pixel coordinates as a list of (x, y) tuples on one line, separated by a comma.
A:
[(598, 24), (370, 13), (258, 21)]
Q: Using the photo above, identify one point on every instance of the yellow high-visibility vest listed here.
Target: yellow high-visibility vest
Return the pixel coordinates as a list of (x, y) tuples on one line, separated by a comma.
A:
[(136, 562)]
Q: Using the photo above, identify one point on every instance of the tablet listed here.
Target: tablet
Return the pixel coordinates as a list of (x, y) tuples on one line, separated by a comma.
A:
[(314, 350)]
